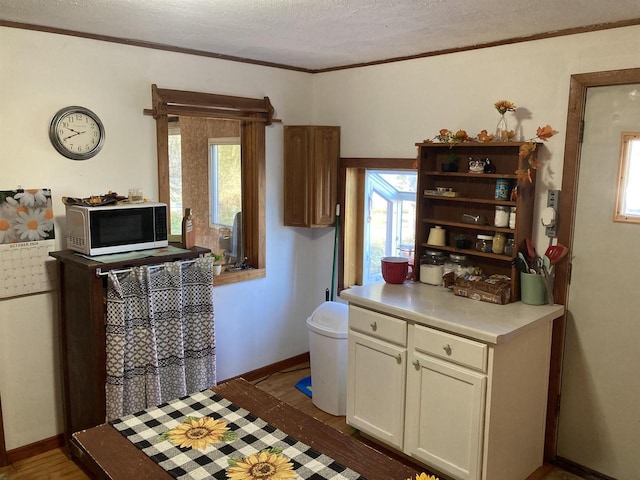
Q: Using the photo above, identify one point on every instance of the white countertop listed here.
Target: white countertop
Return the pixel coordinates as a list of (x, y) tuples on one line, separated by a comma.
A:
[(439, 308)]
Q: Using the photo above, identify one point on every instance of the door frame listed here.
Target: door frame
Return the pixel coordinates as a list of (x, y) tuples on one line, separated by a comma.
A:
[(3, 448), (579, 84)]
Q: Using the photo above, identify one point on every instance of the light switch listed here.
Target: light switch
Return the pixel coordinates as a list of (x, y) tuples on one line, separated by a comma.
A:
[(549, 216)]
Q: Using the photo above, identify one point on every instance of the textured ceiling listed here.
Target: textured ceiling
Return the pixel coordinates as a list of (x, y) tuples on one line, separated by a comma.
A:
[(318, 34)]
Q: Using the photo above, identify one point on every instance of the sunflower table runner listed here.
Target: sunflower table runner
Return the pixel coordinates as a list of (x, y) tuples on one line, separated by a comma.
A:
[(206, 436)]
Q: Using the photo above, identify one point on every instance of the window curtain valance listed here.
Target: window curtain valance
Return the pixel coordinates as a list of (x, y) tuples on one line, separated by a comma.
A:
[(178, 102)]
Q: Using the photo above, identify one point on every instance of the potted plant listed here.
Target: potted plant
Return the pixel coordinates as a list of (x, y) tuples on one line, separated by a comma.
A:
[(217, 268), (451, 164)]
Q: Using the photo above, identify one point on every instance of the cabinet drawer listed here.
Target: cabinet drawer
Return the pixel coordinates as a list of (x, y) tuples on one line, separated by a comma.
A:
[(378, 325), (450, 347)]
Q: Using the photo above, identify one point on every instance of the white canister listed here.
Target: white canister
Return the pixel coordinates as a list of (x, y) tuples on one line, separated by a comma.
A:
[(437, 236)]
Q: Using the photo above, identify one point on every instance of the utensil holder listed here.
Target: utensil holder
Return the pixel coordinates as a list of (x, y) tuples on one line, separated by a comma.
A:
[(532, 289)]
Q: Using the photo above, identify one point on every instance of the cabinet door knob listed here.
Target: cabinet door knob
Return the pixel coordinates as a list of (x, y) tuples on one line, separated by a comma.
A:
[(447, 349), (374, 326), (416, 363), (399, 358)]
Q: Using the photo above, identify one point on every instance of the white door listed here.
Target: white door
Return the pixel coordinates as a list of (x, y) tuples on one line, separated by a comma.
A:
[(599, 421), (376, 388), (445, 411)]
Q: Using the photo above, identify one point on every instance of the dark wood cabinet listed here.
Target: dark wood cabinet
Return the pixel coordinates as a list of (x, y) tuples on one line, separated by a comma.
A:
[(82, 289), (472, 196), (311, 155)]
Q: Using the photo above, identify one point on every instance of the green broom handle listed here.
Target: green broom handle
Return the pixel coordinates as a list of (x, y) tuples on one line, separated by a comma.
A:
[(335, 248)]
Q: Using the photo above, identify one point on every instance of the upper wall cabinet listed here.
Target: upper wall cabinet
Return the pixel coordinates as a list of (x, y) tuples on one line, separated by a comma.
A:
[(311, 156)]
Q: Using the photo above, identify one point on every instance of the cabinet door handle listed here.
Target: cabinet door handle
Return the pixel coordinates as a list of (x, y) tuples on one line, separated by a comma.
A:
[(374, 326), (398, 358), (447, 349), (416, 363)]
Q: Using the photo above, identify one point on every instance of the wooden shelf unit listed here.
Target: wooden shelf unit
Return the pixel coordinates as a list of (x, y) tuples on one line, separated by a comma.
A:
[(475, 196)]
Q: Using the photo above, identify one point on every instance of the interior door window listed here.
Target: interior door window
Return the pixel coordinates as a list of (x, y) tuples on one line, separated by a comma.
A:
[(628, 196)]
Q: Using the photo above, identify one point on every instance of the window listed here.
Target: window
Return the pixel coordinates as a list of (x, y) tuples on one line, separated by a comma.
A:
[(378, 198), (175, 180), (225, 180), (193, 116), (628, 195), (389, 219)]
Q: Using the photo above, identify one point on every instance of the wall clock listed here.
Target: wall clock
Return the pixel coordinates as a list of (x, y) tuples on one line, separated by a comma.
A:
[(76, 132)]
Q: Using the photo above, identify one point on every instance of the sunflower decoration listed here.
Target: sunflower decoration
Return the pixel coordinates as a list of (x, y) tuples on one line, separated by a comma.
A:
[(527, 152), (199, 433), (424, 476), (268, 464)]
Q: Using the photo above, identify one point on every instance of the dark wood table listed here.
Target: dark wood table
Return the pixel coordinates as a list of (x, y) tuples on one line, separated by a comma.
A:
[(105, 454)]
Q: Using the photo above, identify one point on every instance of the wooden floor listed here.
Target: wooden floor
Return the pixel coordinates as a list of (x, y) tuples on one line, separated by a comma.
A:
[(51, 465), (54, 465)]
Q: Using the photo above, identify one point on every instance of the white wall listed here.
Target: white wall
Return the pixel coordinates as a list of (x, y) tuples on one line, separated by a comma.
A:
[(383, 111), (258, 322)]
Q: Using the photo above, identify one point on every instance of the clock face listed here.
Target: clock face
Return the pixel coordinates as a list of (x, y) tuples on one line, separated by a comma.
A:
[(76, 133)]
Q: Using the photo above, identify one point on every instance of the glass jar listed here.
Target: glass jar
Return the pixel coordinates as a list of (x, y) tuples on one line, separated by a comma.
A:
[(499, 240), (484, 243), (501, 218), (432, 267), (510, 247), (456, 265), (512, 218)]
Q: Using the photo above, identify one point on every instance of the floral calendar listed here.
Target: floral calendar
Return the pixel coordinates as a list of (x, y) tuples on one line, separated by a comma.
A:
[(26, 238)]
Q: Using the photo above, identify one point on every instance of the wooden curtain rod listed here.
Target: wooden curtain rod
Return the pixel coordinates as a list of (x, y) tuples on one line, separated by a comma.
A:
[(179, 102), (227, 116)]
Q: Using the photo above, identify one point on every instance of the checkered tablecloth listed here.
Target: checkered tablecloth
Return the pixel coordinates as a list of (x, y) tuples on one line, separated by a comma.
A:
[(145, 430)]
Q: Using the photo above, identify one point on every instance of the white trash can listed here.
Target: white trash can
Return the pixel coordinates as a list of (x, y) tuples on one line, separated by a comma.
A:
[(328, 326)]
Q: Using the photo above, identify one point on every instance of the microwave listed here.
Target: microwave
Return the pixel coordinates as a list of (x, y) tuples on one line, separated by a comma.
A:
[(125, 227)]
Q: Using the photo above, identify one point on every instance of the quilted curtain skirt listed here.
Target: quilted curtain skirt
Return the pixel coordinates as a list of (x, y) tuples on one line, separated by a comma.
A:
[(160, 342)]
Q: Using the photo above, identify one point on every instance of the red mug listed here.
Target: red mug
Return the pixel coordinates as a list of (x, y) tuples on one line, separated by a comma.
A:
[(395, 269)]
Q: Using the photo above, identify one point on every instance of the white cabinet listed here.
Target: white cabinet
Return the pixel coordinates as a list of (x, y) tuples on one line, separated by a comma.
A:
[(467, 409), (445, 402), (377, 372)]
